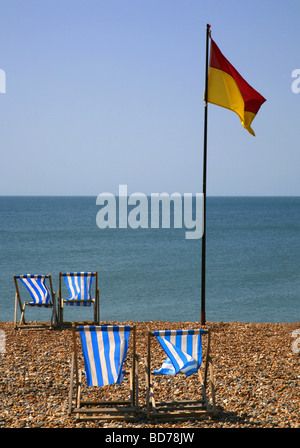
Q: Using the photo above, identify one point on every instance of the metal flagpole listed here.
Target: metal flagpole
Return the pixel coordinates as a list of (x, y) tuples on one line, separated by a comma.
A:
[(203, 318)]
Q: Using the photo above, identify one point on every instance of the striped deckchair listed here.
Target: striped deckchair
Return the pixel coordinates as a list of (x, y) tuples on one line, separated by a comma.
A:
[(184, 356), (41, 294), (184, 349), (104, 350), (79, 285)]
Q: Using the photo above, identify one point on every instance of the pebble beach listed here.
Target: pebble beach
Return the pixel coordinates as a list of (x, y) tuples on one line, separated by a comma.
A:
[(256, 369)]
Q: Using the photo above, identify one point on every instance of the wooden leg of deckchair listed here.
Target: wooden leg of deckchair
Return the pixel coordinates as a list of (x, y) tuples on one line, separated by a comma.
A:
[(203, 389), (79, 389), (136, 382), (96, 302), (133, 381), (54, 315), (206, 357), (147, 381), (152, 403), (95, 312), (58, 308), (61, 311), (131, 387), (71, 384), (98, 307), (22, 319), (134, 366), (212, 385), (16, 308), (52, 320), (78, 398)]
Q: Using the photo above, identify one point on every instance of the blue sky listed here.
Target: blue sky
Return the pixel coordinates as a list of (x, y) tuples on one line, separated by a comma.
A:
[(109, 92)]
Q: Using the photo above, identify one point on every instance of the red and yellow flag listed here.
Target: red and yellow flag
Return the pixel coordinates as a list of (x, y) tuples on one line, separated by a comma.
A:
[(226, 88)]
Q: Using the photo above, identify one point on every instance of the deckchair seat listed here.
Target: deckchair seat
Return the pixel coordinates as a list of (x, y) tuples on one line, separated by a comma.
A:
[(184, 349), (104, 350)]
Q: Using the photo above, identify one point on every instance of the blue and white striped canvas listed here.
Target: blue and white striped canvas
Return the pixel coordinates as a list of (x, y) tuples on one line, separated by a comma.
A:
[(104, 351), (37, 288), (79, 286), (184, 351)]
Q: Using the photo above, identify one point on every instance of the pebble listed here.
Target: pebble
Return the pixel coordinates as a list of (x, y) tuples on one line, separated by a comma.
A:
[(256, 372)]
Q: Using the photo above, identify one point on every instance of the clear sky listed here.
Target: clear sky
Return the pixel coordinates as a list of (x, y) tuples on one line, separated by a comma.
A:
[(101, 93)]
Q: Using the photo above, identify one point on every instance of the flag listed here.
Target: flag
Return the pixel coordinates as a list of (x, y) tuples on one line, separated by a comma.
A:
[(227, 88)]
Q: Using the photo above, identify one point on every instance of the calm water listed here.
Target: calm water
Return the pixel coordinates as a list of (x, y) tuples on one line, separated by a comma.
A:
[(253, 259)]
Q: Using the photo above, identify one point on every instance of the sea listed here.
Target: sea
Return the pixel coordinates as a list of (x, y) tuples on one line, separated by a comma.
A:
[(154, 274)]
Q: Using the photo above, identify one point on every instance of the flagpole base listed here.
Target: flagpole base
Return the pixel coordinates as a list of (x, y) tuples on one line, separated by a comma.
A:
[(202, 317)]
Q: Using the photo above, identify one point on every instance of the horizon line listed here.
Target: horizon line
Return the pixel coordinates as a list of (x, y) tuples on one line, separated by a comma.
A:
[(149, 195)]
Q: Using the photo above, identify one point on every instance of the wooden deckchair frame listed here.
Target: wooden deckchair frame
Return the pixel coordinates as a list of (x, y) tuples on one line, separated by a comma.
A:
[(95, 301), (34, 325), (124, 409), (181, 409)]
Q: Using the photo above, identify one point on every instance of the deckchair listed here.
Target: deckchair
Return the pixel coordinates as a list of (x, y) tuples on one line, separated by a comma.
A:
[(104, 349), (79, 285), (42, 296), (184, 359)]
